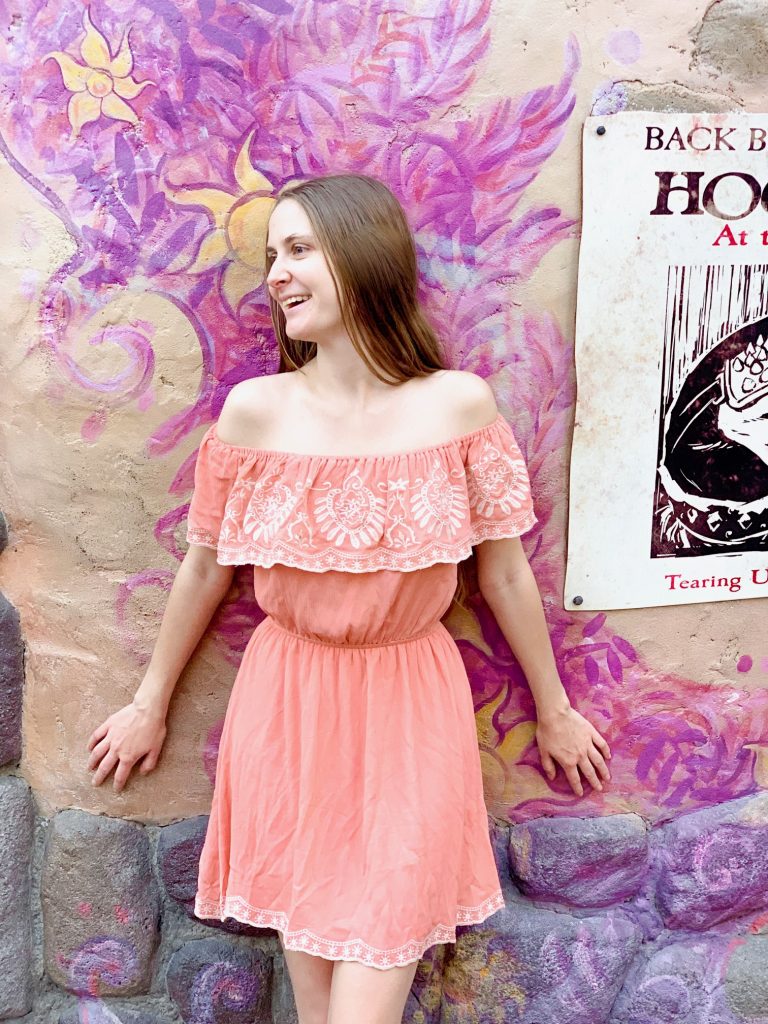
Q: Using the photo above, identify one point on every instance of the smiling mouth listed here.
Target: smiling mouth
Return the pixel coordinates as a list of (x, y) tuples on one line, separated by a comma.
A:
[(294, 301)]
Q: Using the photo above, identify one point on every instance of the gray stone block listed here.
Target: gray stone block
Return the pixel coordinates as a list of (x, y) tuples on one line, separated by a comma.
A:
[(746, 980), (90, 1010), (17, 825), (713, 864), (3, 533), (11, 682), (283, 1001), (100, 905), (216, 982), (677, 982), (178, 856), (581, 862), (536, 966)]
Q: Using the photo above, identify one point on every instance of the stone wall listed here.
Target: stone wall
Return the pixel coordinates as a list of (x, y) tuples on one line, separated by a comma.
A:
[(606, 922)]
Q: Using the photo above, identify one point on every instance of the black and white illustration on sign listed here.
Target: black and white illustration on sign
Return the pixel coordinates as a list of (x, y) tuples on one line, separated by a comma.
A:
[(711, 492)]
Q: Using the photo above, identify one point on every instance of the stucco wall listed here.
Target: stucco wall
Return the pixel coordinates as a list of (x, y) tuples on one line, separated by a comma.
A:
[(129, 312)]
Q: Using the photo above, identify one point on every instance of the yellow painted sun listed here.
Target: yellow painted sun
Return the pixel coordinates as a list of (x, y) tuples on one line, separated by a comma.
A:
[(239, 233), (103, 83)]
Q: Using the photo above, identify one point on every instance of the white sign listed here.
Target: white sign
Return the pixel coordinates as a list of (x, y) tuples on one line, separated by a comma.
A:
[(669, 469)]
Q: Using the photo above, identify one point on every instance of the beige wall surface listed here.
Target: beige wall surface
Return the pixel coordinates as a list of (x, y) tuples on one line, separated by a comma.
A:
[(138, 155)]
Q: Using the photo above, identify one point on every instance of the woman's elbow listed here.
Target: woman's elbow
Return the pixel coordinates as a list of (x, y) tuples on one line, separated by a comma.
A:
[(202, 563), (501, 566)]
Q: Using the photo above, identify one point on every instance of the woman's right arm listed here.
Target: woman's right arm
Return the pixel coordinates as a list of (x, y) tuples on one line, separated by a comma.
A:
[(138, 730)]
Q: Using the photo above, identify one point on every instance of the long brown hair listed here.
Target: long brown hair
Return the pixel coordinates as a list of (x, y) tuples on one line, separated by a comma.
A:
[(364, 234)]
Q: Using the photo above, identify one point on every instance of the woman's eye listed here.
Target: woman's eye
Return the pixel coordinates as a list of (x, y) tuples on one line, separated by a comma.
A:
[(299, 249)]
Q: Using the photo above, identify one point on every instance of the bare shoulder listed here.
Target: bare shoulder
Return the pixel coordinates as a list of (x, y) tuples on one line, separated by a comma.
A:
[(469, 397), (250, 408)]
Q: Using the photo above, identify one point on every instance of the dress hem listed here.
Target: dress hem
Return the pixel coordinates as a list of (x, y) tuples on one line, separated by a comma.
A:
[(356, 950)]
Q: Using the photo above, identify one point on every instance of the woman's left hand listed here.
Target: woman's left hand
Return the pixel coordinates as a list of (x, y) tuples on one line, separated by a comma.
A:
[(575, 744)]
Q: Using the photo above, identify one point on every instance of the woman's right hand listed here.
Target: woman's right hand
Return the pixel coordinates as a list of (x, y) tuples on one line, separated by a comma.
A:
[(127, 736)]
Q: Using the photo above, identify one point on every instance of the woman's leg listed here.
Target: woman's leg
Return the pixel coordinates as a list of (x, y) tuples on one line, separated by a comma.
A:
[(311, 982), (360, 993)]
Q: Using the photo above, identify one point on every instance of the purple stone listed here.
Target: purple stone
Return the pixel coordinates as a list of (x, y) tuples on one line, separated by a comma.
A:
[(676, 980), (178, 856), (713, 864), (101, 911), (580, 862), (213, 980), (551, 966)]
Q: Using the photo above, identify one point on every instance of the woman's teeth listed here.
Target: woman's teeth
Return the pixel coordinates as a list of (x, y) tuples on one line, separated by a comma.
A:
[(295, 300)]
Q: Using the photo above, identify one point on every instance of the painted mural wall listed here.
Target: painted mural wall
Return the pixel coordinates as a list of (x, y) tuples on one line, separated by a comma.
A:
[(141, 143)]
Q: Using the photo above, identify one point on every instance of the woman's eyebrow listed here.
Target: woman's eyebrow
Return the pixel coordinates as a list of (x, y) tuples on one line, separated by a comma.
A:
[(291, 239)]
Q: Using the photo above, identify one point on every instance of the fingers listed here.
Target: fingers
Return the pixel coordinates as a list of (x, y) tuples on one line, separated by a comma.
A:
[(149, 762), (589, 773), (597, 760), (590, 765), (548, 765), (108, 762), (122, 773), (572, 774), (97, 734), (601, 744), (97, 753)]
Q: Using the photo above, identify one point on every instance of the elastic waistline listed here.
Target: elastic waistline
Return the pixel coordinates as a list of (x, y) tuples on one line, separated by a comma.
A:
[(270, 622)]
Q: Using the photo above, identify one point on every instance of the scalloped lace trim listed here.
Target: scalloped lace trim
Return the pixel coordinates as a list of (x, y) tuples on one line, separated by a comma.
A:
[(355, 949), (370, 560)]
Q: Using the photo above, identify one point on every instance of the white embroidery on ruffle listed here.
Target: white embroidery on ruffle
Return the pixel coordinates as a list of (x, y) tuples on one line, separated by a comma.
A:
[(353, 949), (438, 505), (497, 479), (370, 560), (351, 512)]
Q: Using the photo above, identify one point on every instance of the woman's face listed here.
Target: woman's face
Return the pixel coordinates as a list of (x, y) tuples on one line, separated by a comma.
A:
[(300, 279)]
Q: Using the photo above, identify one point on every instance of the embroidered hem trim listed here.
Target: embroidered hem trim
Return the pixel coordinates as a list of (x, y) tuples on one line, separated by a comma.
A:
[(372, 560), (355, 949)]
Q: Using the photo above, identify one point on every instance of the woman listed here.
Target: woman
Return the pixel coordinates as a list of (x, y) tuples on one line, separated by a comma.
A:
[(354, 483)]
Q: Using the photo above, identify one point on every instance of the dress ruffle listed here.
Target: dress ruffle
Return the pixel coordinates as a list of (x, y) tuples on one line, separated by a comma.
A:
[(402, 512)]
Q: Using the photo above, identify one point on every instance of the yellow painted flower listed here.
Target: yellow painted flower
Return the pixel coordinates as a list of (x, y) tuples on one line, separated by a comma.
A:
[(239, 232), (103, 83)]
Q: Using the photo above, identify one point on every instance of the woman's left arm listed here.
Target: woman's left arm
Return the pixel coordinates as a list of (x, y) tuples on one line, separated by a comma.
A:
[(563, 735)]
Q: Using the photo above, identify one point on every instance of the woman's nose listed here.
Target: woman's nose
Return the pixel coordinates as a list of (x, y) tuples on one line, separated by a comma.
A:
[(277, 272)]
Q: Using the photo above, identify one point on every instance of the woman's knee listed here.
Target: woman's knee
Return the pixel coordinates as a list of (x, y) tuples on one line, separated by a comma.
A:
[(366, 993), (311, 983)]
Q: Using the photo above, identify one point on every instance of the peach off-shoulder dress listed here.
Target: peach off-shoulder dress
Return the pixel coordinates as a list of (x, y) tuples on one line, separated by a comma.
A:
[(348, 809)]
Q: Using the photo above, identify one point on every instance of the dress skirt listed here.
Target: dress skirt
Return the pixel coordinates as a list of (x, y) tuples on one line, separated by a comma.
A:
[(348, 808)]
